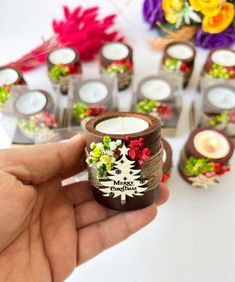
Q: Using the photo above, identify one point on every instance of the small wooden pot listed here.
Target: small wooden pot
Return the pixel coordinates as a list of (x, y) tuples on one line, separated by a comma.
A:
[(183, 66), (71, 67), (17, 76), (215, 68), (149, 174), (122, 68)]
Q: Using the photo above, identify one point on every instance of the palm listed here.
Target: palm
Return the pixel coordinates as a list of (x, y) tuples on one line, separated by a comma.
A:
[(46, 230)]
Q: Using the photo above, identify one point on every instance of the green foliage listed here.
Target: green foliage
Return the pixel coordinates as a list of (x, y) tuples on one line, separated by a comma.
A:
[(146, 106), (106, 142), (101, 171), (218, 71), (4, 95), (80, 110), (222, 118), (57, 71), (195, 166)]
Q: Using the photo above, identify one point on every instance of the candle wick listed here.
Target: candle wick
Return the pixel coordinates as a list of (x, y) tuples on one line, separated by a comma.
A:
[(121, 122)]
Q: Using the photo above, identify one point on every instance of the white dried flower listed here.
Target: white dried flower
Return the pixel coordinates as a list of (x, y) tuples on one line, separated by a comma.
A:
[(109, 153), (99, 164), (118, 142), (92, 146), (112, 146)]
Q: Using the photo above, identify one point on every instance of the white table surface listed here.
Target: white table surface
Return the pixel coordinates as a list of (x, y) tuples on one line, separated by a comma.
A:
[(193, 237)]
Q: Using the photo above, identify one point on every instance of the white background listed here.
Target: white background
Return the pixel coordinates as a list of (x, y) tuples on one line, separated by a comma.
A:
[(193, 237)]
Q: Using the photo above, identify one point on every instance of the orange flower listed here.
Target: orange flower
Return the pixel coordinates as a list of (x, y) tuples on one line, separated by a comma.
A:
[(209, 8), (221, 21)]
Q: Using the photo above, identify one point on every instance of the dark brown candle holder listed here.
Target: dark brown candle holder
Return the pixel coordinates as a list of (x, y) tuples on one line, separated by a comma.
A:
[(60, 73), (174, 64), (199, 170), (20, 79), (130, 183), (122, 68)]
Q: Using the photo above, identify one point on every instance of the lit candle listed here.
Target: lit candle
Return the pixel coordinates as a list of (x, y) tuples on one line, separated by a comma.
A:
[(211, 144), (180, 51), (31, 102), (115, 51), (122, 125), (156, 89), (221, 97), (124, 156), (93, 91), (223, 57), (205, 157), (62, 56)]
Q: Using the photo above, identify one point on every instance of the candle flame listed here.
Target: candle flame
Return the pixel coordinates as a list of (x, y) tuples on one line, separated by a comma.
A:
[(212, 144)]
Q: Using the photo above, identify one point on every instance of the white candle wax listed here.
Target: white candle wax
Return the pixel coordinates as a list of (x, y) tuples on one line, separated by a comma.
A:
[(93, 91), (115, 51), (8, 76), (156, 89), (31, 102), (122, 125), (221, 97), (223, 57), (164, 156), (62, 56), (207, 138), (180, 51)]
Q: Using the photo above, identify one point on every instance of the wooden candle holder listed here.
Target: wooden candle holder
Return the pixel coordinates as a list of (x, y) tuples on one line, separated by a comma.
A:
[(211, 69), (20, 79), (211, 169), (59, 73), (128, 185), (123, 68), (167, 165), (174, 64)]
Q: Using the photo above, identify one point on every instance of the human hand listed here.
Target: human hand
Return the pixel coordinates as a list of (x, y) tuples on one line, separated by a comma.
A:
[(46, 230)]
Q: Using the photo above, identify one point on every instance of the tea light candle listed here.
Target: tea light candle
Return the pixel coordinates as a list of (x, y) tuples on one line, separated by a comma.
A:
[(62, 56), (205, 157), (221, 97), (223, 57), (115, 51), (180, 51), (179, 57), (211, 144), (31, 102), (93, 91), (116, 58), (156, 88), (122, 125), (9, 76), (129, 183)]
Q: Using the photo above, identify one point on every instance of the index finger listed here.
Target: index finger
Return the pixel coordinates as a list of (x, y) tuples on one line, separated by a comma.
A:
[(36, 164)]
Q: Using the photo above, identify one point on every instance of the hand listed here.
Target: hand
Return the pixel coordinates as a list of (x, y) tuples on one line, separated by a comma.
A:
[(46, 230)]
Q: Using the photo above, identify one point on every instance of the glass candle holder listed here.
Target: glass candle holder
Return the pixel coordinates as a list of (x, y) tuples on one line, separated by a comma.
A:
[(90, 96), (124, 157)]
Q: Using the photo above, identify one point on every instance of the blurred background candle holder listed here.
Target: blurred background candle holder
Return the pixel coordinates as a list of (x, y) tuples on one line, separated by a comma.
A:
[(90, 96), (160, 96)]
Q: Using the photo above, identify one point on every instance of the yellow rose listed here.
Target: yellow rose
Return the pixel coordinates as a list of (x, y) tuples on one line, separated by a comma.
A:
[(209, 8), (220, 22), (171, 9)]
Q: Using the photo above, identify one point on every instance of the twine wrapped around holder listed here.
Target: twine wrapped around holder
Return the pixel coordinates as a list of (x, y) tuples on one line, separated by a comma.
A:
[(129, 183)]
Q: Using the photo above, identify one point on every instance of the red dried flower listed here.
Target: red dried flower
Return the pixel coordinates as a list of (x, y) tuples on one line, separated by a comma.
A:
[(96, 110), (232, 116), (184, 68), (164, 111), (165, 177), (137, 151), (80, 29)]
